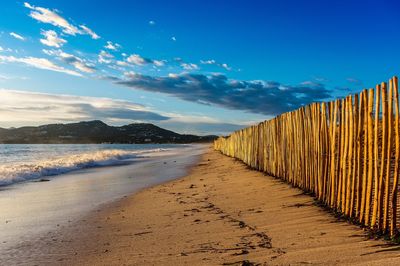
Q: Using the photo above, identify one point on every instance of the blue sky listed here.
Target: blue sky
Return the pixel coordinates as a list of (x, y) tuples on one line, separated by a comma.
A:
[(191, 66)]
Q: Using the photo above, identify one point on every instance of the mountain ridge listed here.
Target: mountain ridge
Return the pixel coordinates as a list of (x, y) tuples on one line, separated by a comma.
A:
[(95, 132)]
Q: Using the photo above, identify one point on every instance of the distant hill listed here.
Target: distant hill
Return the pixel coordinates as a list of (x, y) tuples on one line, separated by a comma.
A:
[(95, 132)]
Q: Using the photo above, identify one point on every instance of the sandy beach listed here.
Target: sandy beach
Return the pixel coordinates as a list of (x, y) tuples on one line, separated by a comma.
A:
[(221, 213)]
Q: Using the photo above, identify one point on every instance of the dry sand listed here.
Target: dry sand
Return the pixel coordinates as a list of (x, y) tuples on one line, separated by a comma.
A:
[(221, 213)]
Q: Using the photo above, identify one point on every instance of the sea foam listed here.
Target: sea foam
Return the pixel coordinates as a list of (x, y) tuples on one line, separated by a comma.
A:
[(13, 172)]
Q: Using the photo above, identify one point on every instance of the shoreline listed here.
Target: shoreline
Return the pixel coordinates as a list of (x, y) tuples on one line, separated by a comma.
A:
[(32, 210), (220, 212)]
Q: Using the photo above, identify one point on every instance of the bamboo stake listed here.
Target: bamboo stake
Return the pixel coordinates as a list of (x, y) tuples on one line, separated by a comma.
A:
[(329, 153), (376, 156), (350, 157), (384, 153), (388, 157), (365, 157), (341, 151), (324, 151), (370, 155), (356, 157), (333, 153), (345, 154), (393, 224)]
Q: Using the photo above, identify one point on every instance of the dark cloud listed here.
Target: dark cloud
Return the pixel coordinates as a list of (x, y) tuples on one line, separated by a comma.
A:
[(90, 112), (116, 113), (264, 97), (78, 63)]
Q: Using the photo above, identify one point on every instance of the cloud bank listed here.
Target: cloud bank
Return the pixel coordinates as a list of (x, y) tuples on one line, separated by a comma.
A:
[(22, 108), (25, 108), (263, 97), (41, 63)]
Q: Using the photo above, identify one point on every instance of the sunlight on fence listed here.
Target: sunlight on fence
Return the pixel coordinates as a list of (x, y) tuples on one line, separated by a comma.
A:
[(345, 151)]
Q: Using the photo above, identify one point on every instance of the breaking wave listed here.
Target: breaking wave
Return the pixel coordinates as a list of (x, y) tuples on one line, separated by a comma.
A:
[(13, 172)]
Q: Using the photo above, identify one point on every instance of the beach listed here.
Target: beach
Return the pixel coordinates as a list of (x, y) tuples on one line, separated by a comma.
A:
[(220, 213), (33, 208)]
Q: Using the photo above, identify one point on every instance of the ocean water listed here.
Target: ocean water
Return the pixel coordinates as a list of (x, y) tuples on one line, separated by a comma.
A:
[(82, 178), (24, 162)]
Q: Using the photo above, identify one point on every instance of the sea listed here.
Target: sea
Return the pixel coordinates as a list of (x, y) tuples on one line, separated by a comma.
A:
[(24, 162), (45, 187)]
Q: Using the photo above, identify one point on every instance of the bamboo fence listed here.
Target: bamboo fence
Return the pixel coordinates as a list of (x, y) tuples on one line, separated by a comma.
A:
[(345, 151)]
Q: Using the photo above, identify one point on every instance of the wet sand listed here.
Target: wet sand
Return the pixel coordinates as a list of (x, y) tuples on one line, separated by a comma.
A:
[(221, 213), (30, 211)]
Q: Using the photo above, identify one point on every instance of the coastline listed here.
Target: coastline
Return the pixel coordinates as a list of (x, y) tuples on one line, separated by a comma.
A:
[(33, 210), (220, 212)]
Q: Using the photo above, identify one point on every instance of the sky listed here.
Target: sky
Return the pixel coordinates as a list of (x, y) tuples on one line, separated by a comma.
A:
[(202, 67)]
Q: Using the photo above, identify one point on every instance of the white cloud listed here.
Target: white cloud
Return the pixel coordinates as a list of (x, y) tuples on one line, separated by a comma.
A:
[(130, 74), (27, 5), (50, 52), (159, 63), (115, 67), (52, 17), (122, 63), (17, 36), (136, 59), (187, 118), (139, 61), (77, 62), (208, 62), (41, 63), (32, 108), (173, 75), (105, 57), (189, 66), (213, 62), (52, 39), (112, 46), (3, 49), (226, 66), (89, 32)]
